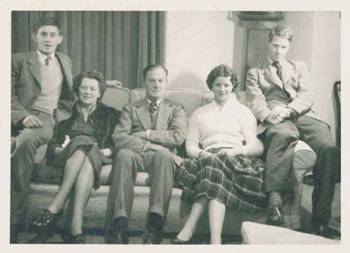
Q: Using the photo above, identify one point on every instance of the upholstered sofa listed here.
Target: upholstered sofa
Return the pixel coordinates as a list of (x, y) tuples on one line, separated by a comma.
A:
[(45, 180)]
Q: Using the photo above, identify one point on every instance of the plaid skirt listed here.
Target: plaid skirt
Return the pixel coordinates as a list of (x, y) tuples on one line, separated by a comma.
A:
[(235, 181)]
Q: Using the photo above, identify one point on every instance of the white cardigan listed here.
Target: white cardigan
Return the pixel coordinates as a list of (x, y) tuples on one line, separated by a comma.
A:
[(213, 127)]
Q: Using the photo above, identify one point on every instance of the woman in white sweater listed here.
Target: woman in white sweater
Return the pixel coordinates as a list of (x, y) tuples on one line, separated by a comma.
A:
[(223, 171)]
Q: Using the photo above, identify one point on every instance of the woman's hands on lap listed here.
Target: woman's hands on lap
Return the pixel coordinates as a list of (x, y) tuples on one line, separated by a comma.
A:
[(230, 151)]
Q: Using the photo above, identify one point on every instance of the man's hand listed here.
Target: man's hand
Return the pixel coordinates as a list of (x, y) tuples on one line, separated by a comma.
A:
[(140, 134), (31, 121), (107, 152), (66, 141), (278, 115), (58, 150)]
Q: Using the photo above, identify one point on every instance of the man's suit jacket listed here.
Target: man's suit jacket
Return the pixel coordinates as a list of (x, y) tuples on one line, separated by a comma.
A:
[(26, 85), (265, 89), (170, 129)]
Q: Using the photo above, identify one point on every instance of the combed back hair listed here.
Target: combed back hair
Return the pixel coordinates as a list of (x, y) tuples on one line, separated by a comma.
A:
[(224, 71), (45, 20), (152, 67), (92, 74), (281, 31)]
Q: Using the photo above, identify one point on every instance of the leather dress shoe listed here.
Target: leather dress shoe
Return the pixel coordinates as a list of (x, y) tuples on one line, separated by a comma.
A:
[(76, 239), (152, 237), (117, 237), (275, 216), (325, 230), (176, 240)]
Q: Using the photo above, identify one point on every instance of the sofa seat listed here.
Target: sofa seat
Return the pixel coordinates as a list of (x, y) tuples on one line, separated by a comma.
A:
[(45, 184)]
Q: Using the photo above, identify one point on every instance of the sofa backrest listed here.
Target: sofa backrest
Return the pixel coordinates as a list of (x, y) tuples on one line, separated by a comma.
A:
[(116, 97), (191, 99)]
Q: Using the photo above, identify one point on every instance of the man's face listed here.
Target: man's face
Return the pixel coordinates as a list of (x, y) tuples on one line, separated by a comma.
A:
[(278, 48), (155, 83), (47, 39)]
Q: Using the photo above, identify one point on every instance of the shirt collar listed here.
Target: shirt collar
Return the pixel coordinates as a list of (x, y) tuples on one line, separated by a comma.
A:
[(42, 57), (157, 102), (270, 61)]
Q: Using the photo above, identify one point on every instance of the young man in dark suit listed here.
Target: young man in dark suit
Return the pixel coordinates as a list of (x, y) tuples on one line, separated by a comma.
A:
[(41, 93), (278, 92), (146, 138)]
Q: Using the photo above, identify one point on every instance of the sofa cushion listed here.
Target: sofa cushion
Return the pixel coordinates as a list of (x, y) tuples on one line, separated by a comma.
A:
[(44, 174)]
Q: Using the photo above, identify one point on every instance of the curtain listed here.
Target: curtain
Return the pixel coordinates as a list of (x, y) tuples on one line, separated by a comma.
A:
[(117, 43)]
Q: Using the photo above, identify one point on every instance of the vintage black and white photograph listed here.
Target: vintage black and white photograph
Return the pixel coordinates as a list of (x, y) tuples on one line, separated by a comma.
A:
[(175, 127)]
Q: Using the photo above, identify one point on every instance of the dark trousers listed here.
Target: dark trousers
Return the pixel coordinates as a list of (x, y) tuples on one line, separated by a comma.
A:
[(161, 167), (279, 143), (22, 163)]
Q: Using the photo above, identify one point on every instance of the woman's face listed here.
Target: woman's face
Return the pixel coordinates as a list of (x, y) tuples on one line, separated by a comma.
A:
[(222, 88), (89, 91)]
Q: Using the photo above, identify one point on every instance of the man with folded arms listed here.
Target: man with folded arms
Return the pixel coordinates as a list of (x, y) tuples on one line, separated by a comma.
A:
[(279, 95), (145, 139)]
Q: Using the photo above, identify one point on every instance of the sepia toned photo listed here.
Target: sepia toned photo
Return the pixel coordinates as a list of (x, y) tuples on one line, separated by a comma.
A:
[(175, 127)]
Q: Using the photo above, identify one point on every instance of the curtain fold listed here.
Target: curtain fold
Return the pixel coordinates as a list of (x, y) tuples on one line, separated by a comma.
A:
[(117, 43)]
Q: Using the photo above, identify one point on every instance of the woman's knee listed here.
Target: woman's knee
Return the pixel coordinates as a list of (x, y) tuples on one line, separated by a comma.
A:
[(87, 165), (76, 159)]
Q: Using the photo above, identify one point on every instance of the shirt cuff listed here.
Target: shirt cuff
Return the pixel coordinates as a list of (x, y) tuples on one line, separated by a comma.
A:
[(293, 113), (148, 134)]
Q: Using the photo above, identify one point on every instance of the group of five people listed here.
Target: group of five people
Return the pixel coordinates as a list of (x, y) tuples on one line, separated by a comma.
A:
[(223, 168)]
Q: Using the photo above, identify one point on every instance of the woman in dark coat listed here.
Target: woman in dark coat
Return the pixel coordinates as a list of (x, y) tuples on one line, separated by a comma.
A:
[(81, 145)]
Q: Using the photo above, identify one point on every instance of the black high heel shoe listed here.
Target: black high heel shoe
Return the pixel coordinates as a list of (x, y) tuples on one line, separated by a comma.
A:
[(45, 219), (176, 240)]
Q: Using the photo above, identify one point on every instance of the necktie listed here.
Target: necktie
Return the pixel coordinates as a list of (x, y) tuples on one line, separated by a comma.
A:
[(153, 107), (278, 67), (47, 60)]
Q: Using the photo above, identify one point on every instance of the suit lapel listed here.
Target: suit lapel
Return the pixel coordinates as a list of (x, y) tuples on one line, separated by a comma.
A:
[(142, 113), (65, 66), (163, 115), (286, 70), (34, 68), (287, 75), (271, 76)]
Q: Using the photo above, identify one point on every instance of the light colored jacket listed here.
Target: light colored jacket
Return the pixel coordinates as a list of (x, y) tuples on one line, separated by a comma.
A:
[(265, 90)]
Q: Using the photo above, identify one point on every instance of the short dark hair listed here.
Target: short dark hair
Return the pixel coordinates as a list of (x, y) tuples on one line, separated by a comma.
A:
[(281, 31), (225, 71), (152, 67), (92, 74), (45, 20)]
